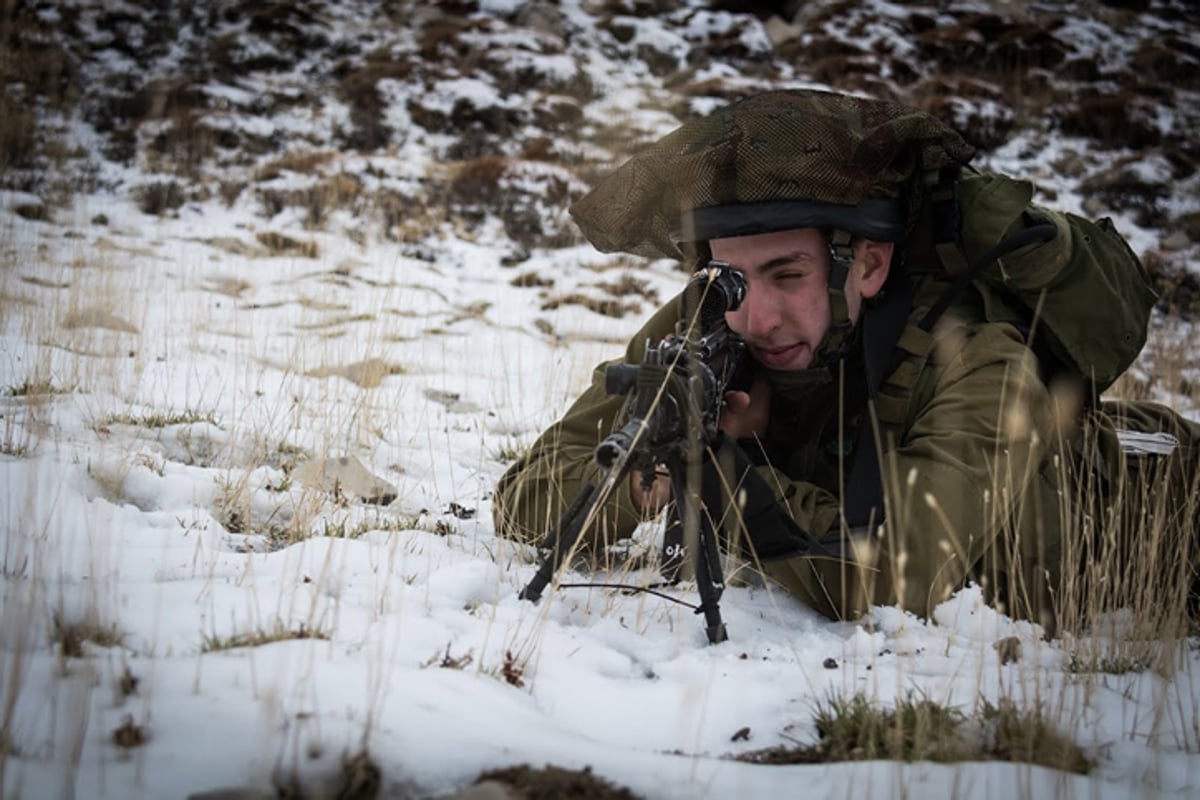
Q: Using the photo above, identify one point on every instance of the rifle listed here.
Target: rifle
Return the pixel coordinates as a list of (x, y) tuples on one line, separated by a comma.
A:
[(673, 400)]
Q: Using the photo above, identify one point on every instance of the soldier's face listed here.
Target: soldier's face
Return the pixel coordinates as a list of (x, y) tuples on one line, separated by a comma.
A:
[(786, 313)]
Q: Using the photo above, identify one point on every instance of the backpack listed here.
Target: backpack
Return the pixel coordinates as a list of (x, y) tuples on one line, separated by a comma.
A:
[(1082, 295), (1073, 286)]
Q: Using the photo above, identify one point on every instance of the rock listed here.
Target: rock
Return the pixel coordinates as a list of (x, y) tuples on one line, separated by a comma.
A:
[(1190, 224), (452, 401), (780, 31), (231, 794), (485, 790), (1175, 241), (348, 476), (542, 16), (367, 373), (35, 212)]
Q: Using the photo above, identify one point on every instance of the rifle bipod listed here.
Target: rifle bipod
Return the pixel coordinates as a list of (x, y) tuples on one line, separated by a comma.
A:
[(684, 514)]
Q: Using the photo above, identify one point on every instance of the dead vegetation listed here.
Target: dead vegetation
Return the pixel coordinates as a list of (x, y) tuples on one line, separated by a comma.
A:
[(448, 661), (129, 734), (357, 777), (513, 670), (988, 72), (918, 729), (71, 636), (280, 244), (213, 643), (544, 783), (605, 306), (1178, 286)]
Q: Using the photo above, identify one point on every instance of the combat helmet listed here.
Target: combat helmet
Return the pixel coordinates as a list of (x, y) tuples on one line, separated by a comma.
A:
[(782, 159)]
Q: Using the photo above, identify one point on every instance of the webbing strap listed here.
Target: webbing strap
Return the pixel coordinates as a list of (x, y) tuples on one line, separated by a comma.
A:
[(944, 204), (883, 325), (895, 396), (841, 258), (1009, 244), (915, 341)]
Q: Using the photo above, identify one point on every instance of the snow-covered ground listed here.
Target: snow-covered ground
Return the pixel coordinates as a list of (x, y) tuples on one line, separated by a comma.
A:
[(223, 426), (164, 394)]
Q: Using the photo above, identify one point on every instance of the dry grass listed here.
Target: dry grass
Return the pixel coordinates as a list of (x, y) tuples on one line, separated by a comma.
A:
[(605, 306), (160, 197), (447, 661), (129, 734), (918, 729), (1129, 564), (279, 633), (547, 782), (159, 419), (71, 636), (34, 389), (318, 199), (280, 244), (358, 777), (1128, 573)]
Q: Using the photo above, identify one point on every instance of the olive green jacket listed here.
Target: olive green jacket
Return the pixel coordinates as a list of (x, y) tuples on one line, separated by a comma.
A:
[(981, 434), (982, 480)]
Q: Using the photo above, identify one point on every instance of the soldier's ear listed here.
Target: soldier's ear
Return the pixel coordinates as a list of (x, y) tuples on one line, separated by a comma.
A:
[(873, 263)]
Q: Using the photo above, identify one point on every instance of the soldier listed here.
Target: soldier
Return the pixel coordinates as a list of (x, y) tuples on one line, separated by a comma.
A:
[(926, 409)]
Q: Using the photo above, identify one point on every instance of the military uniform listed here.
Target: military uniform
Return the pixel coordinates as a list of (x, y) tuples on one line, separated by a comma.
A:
[(989, 471)]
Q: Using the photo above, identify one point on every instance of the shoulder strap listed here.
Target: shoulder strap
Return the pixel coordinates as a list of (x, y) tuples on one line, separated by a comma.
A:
[(895, 351), (883, 328)]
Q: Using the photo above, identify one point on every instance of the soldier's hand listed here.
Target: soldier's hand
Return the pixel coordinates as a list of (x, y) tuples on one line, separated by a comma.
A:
[(745, 414)]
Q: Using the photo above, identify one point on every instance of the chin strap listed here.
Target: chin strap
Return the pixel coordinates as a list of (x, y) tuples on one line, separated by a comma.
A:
[(836, 343)]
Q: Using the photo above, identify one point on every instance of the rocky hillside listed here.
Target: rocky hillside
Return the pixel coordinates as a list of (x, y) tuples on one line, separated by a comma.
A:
[(396, 119)]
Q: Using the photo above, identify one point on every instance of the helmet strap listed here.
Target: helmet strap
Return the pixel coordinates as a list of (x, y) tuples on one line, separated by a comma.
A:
[(841, 257)]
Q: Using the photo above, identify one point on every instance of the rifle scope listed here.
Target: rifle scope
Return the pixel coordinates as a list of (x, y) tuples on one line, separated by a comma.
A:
[(712, 292)]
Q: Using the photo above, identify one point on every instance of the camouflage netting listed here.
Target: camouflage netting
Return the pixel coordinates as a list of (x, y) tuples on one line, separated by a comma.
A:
[(781, 145)]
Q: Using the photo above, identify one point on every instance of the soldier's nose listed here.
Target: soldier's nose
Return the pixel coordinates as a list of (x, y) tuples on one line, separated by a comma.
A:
[(755, 319)]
